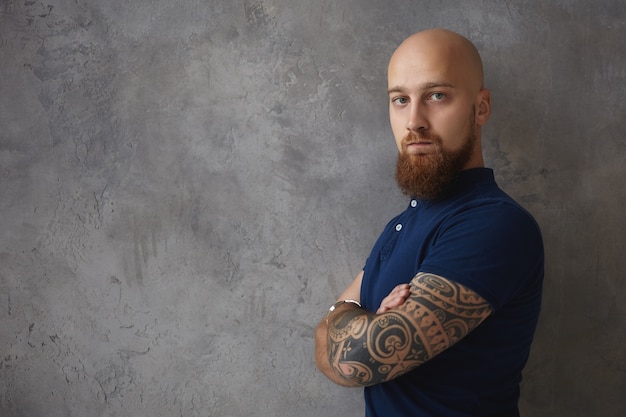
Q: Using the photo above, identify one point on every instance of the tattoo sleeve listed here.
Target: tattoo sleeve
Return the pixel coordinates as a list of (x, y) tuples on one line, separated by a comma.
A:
[(368, 349)]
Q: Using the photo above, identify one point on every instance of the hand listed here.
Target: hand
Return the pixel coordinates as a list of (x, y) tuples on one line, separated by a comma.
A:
[(396, 298)]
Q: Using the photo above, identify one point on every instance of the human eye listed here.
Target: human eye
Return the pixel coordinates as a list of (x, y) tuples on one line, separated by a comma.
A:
[(399, 100), (436, 96)]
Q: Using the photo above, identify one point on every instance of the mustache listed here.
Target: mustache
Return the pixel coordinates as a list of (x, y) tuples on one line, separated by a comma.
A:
[(414, 137)]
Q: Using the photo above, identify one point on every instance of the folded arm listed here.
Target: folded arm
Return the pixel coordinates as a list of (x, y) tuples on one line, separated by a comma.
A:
[(364, 349)]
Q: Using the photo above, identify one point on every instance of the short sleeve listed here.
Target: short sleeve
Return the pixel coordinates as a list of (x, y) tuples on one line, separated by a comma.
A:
[(494, 249)]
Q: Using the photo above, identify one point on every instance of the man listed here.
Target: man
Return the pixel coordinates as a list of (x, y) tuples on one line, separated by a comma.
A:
[(454, 341)]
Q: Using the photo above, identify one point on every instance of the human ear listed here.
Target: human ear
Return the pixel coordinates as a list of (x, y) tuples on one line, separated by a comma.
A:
[(483, 106)]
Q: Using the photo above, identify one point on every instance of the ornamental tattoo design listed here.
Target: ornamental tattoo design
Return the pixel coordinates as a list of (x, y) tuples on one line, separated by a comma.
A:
[(368, 349)]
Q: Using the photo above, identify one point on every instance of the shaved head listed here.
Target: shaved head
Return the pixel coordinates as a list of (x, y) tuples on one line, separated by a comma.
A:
[(445, 50)]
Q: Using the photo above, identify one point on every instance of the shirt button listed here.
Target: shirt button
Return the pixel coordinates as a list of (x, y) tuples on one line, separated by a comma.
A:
[(413, 203), (398, 227)]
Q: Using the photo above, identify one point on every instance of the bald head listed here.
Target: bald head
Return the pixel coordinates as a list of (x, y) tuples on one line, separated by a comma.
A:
[(447, 52)]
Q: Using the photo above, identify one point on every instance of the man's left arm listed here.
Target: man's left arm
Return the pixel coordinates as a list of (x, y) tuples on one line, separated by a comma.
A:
[(366, 349)]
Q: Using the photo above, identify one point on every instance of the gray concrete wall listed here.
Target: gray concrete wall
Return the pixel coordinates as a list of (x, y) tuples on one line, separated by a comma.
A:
[(187, 185)]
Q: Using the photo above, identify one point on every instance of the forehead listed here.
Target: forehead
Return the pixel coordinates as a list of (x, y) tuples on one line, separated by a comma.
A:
[(416, 65)]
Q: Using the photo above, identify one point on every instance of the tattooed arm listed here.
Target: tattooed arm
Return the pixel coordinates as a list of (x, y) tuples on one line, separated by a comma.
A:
[(366, 349), (353, 292)]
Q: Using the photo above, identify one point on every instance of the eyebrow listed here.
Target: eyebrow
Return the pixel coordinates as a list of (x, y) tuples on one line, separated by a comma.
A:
[(422, 87)]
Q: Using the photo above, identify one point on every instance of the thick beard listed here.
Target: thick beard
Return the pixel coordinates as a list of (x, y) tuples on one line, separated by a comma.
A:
[(428, 177)]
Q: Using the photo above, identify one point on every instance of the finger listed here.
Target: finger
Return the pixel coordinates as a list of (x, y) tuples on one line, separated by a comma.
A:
[(391, 302), (400, 288)]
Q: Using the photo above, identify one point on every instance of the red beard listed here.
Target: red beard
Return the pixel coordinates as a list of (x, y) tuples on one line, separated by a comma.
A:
[(428, 177)]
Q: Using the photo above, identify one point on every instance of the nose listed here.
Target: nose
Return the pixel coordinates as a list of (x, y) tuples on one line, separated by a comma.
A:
[(417, 120)]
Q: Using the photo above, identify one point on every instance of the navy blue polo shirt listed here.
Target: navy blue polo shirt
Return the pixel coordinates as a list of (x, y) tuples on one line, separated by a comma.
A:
[(479, 237)]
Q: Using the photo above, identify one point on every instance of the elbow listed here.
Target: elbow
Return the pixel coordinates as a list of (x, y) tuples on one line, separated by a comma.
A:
[(350, 362), (341, 371), (354, 366)]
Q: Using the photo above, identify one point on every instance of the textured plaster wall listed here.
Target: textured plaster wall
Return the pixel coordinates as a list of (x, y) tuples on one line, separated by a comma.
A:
[(187, 185)]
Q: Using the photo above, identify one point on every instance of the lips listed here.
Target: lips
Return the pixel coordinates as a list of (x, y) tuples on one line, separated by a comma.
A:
[(418, 144), (417, 139)]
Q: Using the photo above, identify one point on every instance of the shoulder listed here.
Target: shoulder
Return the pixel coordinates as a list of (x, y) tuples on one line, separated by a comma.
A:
[(490, 212)]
